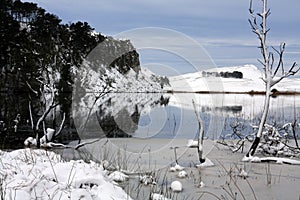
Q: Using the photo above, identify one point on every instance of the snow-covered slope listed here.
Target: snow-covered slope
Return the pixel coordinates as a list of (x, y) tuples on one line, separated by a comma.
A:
[(91, 79), (251, 81)]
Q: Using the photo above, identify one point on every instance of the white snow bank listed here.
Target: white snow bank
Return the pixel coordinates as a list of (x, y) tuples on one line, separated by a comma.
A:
[(40, 174)]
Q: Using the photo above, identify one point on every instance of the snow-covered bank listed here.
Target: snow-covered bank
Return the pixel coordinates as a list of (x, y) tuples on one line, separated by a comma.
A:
[(251, 81), (39, 174)]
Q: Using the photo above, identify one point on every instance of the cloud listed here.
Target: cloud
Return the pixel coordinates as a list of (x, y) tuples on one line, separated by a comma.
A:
[(220, 26)]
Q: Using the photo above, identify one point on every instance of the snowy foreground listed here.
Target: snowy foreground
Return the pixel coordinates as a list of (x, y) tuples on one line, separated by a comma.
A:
[(40, 174)]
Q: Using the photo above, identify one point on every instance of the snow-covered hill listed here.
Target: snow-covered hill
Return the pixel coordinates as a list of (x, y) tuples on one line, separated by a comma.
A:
[(213, 80), (93, 80)]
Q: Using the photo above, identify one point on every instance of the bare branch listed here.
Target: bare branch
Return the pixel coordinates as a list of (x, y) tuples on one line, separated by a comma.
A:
[(44, 129), (42, 118), (61, 125), (295, 65), (291, 72), (30, 114), (280, 61), (261, 62), (251, 11), (52, 105), (268, 12), (31, 89), (271, 57), (85, 143)]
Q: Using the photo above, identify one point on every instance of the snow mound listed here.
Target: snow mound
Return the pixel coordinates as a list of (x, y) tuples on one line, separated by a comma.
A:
[(118, 176), (176, 186), (40, 174), (178, 167)]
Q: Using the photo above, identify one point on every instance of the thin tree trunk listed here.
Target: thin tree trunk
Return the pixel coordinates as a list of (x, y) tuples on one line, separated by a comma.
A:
[(201, 135), (267, 77), (261, 124)]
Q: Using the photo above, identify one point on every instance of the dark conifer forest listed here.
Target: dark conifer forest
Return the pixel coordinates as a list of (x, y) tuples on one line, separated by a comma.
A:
[(39, 56)]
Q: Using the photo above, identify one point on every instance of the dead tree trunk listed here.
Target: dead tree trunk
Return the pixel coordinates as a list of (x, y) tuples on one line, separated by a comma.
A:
[(270, 77), (201, 135)]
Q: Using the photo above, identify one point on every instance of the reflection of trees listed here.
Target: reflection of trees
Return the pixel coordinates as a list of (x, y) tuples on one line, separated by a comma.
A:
[(122, 125), (119, 118)]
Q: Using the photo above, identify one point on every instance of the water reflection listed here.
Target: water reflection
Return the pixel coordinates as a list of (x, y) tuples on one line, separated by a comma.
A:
[(144, 115), (115, 114)]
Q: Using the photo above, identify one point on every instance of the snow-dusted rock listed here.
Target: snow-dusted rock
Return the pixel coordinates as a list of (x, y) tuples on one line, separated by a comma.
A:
[(43, 140), (182, 174), (172, 169), (118, 176), (178, 167), (176, 186), (243, 174), (201, 184), (156, 196), (30, 141), (147, 180)]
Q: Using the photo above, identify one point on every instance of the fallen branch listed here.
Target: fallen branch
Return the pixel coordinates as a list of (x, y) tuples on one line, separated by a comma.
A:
[(85, 143), (276, 160)]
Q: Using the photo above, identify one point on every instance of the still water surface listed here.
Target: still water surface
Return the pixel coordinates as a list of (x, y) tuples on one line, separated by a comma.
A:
[(147, 115)]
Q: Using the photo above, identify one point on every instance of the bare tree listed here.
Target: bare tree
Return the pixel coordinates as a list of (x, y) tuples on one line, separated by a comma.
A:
[(49, 105), (274, 71)]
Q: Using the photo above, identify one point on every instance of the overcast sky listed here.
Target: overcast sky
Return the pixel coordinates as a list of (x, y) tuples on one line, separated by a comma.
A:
[(220, 26)]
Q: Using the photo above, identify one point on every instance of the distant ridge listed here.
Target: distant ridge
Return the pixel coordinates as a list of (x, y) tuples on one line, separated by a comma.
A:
[(250, 83)]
